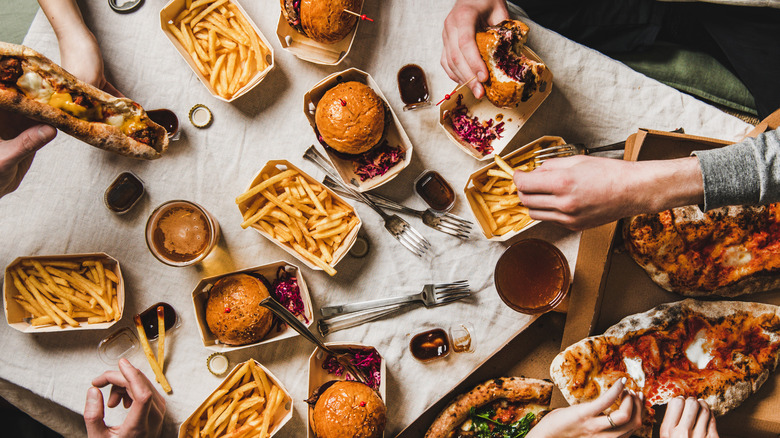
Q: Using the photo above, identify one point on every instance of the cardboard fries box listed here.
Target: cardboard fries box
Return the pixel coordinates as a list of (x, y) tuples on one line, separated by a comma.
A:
[(200, 296), (346, 244), (513, 118), (477, 212), (280, 418), (318, 376), (394, 134), (315, 52), (18, 318), (174, 7), (609, 286)]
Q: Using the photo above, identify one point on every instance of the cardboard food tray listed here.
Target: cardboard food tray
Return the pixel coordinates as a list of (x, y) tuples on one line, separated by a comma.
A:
[(281, 416), (513, 118), (318, 376), (394, 134), (16, 316), (539, 143), (174, 7), (528, 353), (609, 285), (307, 49), (346, 245), (200, 296)]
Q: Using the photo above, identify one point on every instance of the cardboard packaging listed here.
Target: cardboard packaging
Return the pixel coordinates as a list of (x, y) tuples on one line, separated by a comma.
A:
[(318, 376), (394, 134), (346, 244), (609, 286), (201, 293), (513, 118), (18, 318), (174, 8), (477, 212), (315, 52), (280, 418)]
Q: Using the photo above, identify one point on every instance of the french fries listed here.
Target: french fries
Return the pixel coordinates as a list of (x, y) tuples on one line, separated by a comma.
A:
[(295, 210), (222, 43), (65, 293), (244, 405), (493, 195), (156, 366)]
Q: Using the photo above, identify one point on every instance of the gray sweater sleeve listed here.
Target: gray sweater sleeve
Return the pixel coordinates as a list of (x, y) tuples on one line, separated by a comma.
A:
[(743, 173)]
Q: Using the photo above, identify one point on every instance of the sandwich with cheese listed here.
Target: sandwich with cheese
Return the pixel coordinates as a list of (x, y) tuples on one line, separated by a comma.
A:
[(34, 86)]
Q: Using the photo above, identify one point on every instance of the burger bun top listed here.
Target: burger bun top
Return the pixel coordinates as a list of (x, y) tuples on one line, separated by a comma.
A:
[(233, 311), (326, 22), (350, 118), (349, 410)]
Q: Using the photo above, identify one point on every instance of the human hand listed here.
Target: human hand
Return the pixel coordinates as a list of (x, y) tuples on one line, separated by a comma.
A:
[(147, 407), (581, 192), (688, 418), (20, 138), (460, 56), (80, 56), (586, 419)]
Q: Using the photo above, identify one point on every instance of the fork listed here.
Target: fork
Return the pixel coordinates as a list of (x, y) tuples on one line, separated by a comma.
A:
[(431, 295), (445, 222), (344, 358), (410, 238), (329, 325), (569, 149)]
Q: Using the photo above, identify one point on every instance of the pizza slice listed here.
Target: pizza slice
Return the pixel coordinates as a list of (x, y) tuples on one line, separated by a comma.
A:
[(32, 85), (721, 352), (498, 408), (728, 251)]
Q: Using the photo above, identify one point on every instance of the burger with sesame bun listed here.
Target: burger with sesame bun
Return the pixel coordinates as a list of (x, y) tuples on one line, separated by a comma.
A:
[(324, 21), (233, 311), (347, 409)]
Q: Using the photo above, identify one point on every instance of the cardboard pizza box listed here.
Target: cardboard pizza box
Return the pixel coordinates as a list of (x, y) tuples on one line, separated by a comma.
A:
[(609, 286)]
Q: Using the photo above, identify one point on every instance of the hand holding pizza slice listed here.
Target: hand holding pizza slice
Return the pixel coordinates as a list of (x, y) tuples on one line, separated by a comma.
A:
[(721, 352)]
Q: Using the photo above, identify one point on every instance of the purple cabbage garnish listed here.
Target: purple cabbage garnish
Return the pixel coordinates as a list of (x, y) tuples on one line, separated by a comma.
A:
[(368, 361), (378, 161), (478, 134), (287, 292)]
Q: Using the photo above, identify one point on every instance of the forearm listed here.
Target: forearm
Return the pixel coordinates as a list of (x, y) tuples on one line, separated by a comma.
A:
[(660, 185), (744, 173), (66, 20)]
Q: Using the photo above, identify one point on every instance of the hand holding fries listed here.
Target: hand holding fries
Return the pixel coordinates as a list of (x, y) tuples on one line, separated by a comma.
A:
[(65, 292), (130, 386), (245, 404), (290, 207), (221, 42), (493, 195)]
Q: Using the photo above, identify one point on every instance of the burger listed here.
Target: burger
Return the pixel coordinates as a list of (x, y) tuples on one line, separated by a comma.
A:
[(513, 77), (350, 119), (233, 311), (348, 409), (323, 21)]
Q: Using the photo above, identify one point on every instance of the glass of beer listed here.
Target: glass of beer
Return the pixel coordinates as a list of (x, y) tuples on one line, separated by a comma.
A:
[(181, 233)]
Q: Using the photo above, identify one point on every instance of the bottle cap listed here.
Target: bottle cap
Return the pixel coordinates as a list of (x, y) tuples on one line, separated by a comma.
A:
[(200, 116), (360, 248), (125, 6), (217, 364)]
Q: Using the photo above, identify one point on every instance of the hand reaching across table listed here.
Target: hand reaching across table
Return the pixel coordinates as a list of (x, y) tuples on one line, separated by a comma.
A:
[(460, 56), (135, 391), (20, 138), (588, 420)]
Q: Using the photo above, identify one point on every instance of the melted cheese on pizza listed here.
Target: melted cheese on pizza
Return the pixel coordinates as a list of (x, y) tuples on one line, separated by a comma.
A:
[(691, 252)]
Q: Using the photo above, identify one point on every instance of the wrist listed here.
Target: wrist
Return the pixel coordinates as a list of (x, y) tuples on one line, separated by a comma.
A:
[(667, 184)]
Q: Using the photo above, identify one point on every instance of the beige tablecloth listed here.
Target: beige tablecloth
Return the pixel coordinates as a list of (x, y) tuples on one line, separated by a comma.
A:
[(59, 209)]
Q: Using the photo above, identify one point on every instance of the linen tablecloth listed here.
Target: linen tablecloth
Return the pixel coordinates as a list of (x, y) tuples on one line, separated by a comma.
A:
[(59, 209)]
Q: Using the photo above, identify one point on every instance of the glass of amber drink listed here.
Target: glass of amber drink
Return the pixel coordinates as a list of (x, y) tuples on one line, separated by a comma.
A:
[(181, 233)]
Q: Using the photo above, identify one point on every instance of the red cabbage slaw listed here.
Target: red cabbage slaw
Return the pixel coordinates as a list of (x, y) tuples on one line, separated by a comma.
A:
[(367, 360), (285, 290), (378, 161), (478, 134)]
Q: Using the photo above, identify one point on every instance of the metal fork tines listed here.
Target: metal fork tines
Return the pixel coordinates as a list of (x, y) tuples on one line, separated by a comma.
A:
[(431, 295), (445, 222), (410, 238), (569, 149)]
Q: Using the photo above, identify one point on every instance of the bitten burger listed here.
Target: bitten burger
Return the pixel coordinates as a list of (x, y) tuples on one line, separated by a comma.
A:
[(323, 21), (350, 118), (513, 77), (233, 312), (348, 410)]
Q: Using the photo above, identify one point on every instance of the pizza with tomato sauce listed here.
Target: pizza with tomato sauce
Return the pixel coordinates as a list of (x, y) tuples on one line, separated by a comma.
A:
[(728, 251), (721, 352), (507, 407)]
